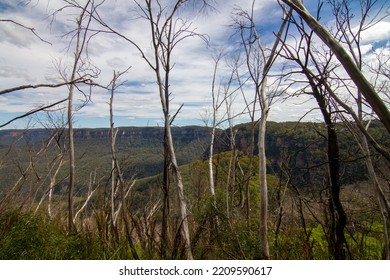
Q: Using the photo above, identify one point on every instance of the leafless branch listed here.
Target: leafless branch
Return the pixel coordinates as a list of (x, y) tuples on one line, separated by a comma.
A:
[(39, 109), (31, 29)]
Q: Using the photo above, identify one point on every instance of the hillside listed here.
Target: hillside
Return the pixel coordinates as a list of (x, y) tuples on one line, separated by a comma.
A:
[(139, 150), (223, 227), (300, 145)]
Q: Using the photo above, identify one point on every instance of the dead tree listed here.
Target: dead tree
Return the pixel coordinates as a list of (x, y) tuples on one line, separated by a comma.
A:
[(166, 31), (305, 55), (371, 13), (27, 169), (259, 62), (55, 124), (361, 82), (81, 36), (116, 173)]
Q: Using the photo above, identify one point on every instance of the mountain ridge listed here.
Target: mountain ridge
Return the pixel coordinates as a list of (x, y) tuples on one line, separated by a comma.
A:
[(141, 148)]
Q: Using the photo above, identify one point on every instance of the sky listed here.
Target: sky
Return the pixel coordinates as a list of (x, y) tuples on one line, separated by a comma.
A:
[(27, 59)]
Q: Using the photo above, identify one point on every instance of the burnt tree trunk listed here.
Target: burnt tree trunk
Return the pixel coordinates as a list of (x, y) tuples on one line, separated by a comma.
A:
[(338, 216)]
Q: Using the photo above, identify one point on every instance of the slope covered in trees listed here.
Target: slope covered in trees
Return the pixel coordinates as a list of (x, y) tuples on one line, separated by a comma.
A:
[(302, 144), (297, 180), (140, 149)]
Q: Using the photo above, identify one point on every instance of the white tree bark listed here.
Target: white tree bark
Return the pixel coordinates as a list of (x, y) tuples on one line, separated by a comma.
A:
[(258, 71), (80, 35), (264, 246)]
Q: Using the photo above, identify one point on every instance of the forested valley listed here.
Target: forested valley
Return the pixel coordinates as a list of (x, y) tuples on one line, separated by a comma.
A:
[(34, 193), (238, 187)]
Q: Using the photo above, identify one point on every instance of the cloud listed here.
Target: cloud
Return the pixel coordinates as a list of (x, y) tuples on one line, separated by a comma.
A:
[(14, 35), (378, 32), (116, 63), (9, 71), (189, 75), (25, 59)]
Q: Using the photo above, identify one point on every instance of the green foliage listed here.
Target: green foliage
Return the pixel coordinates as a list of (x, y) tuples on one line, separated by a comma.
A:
[(319, 243), (367, 244), (291, 245), (361, 246), (24, 236), (237, 232)]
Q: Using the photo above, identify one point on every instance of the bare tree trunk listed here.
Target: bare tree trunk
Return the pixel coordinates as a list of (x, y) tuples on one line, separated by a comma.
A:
[(164, 94), (215, 94), (338, 216), (80, 41), (341, 220), (166, 32), (215, 219), (92, 182), (113, 134), (383, 202), (51, 187), (264, 246), (320, 92), (49, 191), (258, 71), (125, 214), (162, 70), (210, 162), (117, 173), (71, 159), (165, 205), (180, 188)]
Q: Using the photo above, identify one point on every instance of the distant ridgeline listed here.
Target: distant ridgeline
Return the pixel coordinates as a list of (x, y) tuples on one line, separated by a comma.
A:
[(300, 147), (140, 149)]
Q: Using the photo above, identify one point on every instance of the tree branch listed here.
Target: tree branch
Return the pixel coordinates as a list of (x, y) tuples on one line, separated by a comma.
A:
[(26, 27), (42, 108)]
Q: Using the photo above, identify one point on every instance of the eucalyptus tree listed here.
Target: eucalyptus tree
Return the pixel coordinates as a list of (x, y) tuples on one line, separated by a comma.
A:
[(55, 123), (305, 55), (166, 30), (80, 35), (117, 174), (258, 61)]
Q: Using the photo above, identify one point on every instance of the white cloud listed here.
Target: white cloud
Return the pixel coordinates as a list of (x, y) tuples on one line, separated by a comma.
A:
[(378, 32), (25, 59)]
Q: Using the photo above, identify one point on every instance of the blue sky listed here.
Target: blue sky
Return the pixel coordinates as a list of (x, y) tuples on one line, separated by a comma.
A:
[(24, 59)]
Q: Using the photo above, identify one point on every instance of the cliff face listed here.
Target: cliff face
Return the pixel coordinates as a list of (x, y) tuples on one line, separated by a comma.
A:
[(16, 136), (185, 134), (123, 133)]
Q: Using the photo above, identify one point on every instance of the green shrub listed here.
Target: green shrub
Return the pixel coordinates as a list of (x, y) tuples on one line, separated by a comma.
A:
[(25, 236)]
